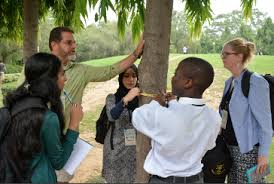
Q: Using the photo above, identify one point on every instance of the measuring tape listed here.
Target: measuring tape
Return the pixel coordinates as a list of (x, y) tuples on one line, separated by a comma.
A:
[(148, 94)]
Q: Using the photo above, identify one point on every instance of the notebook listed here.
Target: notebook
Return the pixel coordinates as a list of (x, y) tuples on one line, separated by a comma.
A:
[(252, 177)]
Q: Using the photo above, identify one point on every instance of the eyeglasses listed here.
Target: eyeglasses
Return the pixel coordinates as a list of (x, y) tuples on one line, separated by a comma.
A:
[(225, 54), (68, 42)]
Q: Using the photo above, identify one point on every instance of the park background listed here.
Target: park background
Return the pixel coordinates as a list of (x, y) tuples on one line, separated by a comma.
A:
[(100, 44)]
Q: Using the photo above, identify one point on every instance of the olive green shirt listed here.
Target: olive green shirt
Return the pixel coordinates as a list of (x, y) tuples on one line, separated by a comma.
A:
[(78, 76), (54, 154)]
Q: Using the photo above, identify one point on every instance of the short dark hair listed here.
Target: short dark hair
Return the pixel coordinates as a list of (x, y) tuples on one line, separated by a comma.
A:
[(199, 70), (56, 34)]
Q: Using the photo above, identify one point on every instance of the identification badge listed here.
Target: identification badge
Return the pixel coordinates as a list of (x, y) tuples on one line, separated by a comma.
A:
[(224, 119), (130, 137)]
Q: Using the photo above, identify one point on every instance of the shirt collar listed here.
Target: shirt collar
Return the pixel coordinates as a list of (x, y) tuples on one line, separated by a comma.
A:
[(68, 66), (239, 78), (191, 101)]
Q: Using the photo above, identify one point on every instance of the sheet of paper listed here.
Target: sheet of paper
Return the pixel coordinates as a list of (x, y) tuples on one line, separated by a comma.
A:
[(79, 153)]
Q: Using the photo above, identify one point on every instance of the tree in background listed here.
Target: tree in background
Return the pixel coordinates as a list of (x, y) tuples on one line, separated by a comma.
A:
[(9, 51), (102, 40), (227, 26), (95, 41), (265, 38), (180, 35), (19, 19)]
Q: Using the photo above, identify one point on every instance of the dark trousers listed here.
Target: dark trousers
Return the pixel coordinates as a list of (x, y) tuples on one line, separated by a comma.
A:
[(198, 178)]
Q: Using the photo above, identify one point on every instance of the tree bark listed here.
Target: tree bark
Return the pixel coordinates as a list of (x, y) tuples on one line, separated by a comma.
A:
[(153, 67), (31, 15)]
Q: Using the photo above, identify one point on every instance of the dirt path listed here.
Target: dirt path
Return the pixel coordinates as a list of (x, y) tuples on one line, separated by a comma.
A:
[(94, 95)]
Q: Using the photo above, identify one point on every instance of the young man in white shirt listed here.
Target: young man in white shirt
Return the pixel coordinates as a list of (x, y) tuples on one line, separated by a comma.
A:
[(184, 131)]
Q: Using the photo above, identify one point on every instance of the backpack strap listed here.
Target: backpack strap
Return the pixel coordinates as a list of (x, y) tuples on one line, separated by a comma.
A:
[(246, 82), (4, 125), (24, 104), (27, 103), (112, 126)]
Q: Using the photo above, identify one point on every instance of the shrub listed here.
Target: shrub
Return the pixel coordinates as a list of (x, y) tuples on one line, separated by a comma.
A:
[(11, 77), (8, 87), (13, 68)]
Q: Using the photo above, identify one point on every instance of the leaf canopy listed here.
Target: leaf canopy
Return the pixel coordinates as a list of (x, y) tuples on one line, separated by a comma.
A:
[(129, 12)]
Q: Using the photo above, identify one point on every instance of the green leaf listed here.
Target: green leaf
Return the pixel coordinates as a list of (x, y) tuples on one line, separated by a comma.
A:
[(121, 23), (111, 5), (197, 13), (247, 7), (103, 9), (136, 27)]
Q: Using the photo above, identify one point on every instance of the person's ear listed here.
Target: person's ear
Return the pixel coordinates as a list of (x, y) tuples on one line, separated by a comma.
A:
[(188, 83), (54, 44)]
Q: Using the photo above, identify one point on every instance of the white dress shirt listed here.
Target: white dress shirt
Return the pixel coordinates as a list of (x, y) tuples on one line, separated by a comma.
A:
[(180, 135)]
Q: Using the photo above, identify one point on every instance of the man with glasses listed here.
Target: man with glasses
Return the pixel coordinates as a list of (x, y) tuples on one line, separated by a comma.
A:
[(63, 45)]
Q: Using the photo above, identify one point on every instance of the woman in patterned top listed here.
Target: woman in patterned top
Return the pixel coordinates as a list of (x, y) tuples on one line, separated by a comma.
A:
[(119, 163)]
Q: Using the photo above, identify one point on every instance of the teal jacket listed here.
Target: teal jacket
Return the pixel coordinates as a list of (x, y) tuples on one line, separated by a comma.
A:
[(54, 154)]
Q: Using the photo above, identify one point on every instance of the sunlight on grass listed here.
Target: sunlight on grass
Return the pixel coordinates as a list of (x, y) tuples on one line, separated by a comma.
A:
[(88, 123), (96, 179)]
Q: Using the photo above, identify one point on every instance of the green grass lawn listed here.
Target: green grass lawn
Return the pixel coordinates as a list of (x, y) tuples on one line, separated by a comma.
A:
[(260, 64), (89, 119)]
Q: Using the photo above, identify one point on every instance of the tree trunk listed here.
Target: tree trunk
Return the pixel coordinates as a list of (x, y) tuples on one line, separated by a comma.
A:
[(31, 15), (154, 66)]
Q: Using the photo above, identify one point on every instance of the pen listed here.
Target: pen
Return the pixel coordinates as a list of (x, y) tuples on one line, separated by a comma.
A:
[(68, 97)]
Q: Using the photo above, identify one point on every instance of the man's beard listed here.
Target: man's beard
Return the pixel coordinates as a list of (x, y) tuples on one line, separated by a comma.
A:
[(72, 57)]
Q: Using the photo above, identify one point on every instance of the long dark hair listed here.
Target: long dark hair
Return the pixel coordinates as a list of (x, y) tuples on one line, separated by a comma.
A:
[(23, 139)]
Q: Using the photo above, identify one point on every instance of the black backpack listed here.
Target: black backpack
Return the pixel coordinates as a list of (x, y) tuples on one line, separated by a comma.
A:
[(5, 124), (102, 127), (246, 85)]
